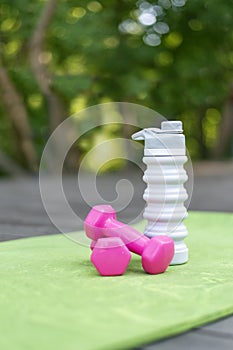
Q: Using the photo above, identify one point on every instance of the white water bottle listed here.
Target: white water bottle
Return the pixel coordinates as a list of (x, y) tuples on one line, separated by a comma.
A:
[(165, 155)]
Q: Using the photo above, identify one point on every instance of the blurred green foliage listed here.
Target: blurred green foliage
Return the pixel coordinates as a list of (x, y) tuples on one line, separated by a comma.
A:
[(188, 76)]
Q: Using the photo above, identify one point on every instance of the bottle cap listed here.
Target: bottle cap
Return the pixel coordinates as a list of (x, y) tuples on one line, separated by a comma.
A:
[(167, 141)]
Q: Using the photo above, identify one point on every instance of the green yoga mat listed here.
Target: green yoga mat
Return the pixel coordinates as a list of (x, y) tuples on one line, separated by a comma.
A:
[(52, 298)]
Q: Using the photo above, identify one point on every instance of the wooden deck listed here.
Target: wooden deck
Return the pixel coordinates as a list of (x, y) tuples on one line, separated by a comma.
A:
[(22, 215)]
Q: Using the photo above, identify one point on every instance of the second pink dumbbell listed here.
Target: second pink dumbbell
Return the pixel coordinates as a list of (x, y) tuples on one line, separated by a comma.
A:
[(157, 252)]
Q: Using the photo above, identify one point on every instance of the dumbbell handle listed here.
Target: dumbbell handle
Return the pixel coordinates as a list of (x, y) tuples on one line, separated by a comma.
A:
[(134, 240)]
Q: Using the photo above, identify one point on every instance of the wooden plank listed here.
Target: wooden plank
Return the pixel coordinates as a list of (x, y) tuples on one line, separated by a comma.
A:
[(212, 194), (10, 232), (223, 327), (192, 341), (21, 202)]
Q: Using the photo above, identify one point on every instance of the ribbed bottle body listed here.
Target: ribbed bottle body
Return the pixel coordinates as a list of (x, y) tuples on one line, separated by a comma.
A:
[(165, 196)]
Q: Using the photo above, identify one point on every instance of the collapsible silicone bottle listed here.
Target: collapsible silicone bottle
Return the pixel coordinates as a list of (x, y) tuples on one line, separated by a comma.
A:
[(165, 155)]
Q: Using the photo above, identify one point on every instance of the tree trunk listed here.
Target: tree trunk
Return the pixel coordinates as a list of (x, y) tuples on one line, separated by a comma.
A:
[(9, 166), (56, 108), (201, 137), (225, 136), (57, 112), (18, 116)]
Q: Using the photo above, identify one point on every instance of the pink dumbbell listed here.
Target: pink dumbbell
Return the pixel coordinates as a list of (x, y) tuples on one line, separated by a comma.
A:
[(110, 256), (92, 245), (157, 252)]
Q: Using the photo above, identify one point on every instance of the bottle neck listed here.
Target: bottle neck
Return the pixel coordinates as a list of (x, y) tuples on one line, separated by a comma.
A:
[(150, 152)]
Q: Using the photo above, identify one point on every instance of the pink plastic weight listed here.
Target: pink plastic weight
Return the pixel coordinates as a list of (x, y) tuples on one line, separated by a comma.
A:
[(110, 256), (156, 252)]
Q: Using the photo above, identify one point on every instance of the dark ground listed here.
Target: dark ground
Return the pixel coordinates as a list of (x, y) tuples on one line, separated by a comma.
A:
[(22, 213)]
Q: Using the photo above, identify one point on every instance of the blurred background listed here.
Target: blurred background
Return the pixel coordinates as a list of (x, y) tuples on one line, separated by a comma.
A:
[(59, 57)]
